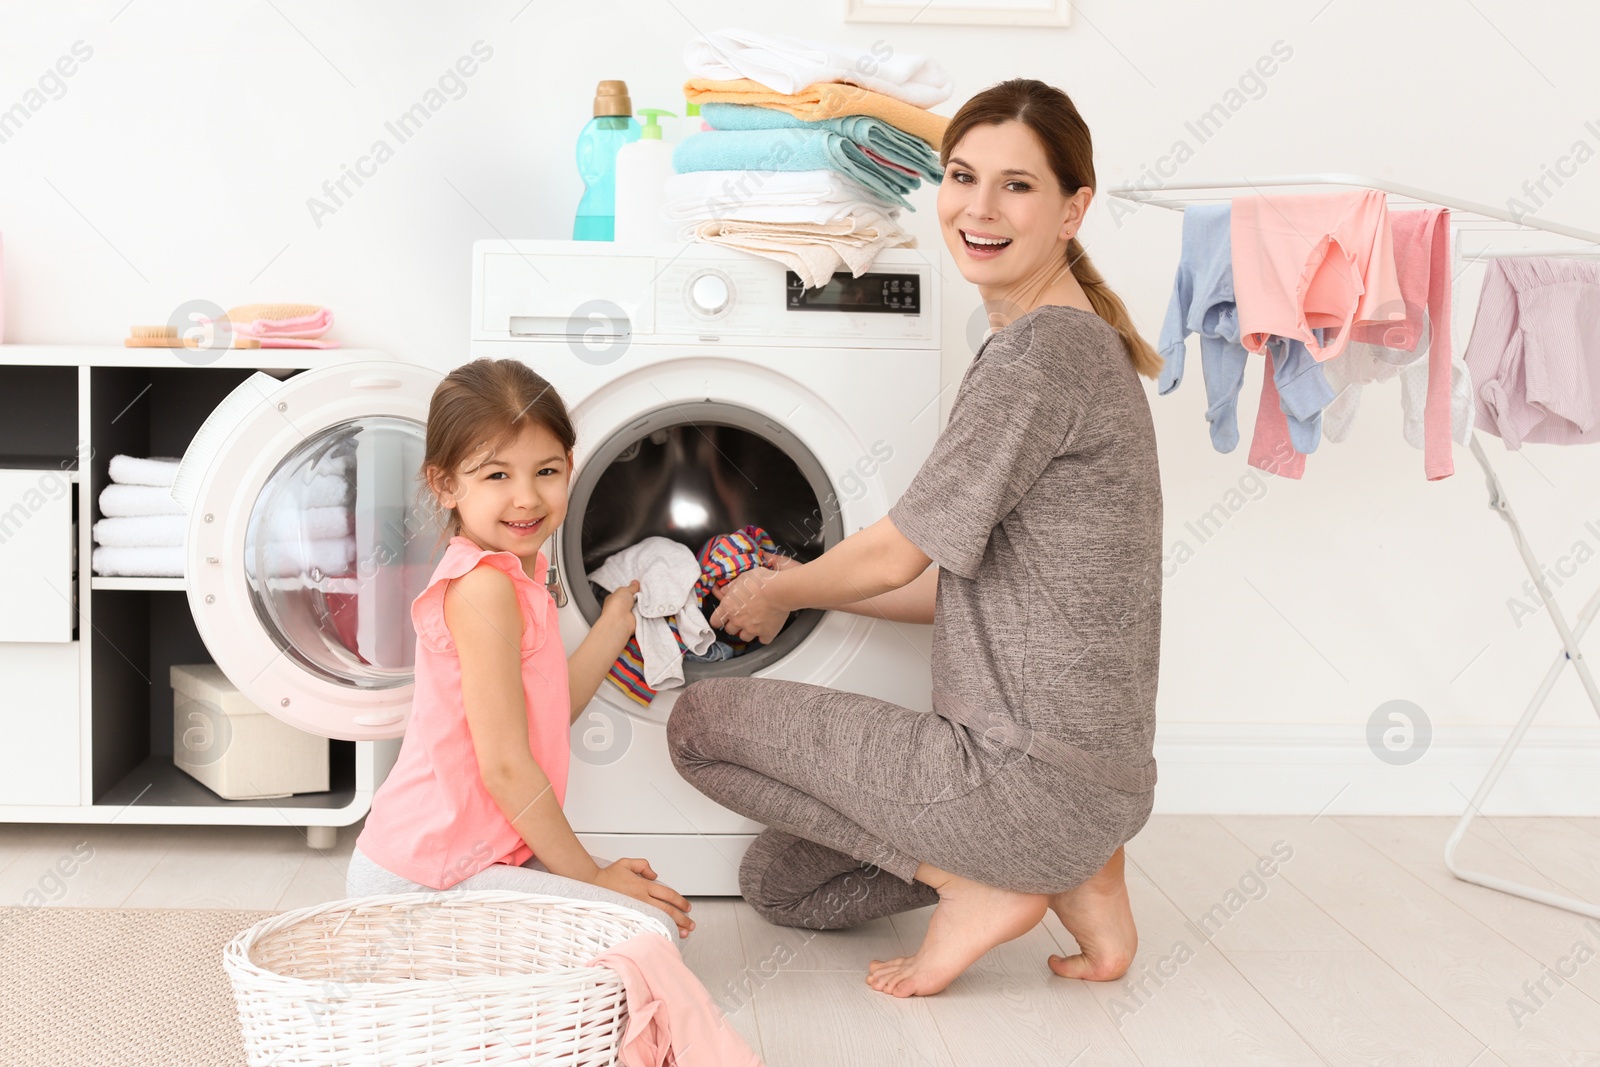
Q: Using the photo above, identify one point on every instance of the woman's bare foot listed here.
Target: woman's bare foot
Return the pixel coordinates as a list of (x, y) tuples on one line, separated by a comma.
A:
[(970, 919), (1098, 915)]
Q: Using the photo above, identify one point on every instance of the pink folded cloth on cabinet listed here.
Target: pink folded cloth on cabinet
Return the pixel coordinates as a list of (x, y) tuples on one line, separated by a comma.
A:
[(1422, 261), (1303, 262), (672, 1019), (283, 325)]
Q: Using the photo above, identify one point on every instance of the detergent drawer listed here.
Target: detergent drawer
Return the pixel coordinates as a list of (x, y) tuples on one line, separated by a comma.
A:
[(521, 296)]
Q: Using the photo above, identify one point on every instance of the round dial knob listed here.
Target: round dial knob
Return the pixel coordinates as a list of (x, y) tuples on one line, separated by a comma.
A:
[(709, 293)]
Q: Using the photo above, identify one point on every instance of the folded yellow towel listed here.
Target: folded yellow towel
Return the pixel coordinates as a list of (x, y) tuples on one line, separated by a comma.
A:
[(822, 100)]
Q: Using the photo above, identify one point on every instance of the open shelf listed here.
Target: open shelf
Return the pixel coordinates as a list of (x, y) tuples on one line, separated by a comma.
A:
[(157, 782), (38, 417)]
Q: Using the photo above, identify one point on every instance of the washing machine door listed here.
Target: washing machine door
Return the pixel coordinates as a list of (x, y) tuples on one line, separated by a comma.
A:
[(308, 540)]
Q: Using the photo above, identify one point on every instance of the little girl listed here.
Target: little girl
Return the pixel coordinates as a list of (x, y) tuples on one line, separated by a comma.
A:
[(474, 799)]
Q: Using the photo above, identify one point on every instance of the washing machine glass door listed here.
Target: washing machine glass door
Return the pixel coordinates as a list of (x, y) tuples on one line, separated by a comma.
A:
[(309, 537)]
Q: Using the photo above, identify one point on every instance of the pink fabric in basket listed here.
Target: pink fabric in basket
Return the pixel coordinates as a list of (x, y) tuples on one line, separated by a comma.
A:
[(672, 1020)]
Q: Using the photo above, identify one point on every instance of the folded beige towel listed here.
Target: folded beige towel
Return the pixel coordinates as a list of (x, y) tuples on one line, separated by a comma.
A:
[(822, 100), (813, 251)]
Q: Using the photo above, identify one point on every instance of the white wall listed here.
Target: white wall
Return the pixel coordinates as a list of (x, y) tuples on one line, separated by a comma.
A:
[(179, 158)]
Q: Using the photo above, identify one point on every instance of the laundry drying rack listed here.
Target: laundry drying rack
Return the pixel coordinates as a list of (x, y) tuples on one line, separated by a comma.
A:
[(1495, 233)]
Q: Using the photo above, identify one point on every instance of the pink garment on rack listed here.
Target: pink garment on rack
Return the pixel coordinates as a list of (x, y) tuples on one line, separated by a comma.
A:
[(1301, 262), (1534, 353), (672, 1020), (1422, 260), (1270, 447)]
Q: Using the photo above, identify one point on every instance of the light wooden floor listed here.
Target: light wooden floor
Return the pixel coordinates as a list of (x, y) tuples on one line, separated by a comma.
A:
[(1359, 949)]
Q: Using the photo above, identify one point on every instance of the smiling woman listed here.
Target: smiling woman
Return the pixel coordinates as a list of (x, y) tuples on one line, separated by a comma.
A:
[(1040, 510)]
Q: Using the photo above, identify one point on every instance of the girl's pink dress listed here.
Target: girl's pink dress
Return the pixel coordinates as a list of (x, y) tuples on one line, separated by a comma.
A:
[(432, 819)]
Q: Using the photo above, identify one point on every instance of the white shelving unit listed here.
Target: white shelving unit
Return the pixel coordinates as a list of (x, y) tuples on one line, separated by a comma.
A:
[(87, 706)]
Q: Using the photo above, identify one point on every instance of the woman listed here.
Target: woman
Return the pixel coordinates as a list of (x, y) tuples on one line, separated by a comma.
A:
[(1040, 512)]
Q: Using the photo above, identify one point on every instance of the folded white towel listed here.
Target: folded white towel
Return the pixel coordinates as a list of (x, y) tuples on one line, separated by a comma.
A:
[(127, 500), (818, 196), (127, 561), (788, 64), (147, 530), (331, 557), (312, 524), (812, 252), (141, 470), (324, 490), (667, 572)]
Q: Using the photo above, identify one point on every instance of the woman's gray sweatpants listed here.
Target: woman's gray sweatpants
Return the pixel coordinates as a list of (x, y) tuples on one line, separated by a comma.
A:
[(366, 878), (856, 791)]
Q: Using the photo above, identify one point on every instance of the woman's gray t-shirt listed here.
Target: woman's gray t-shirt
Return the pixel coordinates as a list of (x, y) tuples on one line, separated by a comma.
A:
[(1041, 505)]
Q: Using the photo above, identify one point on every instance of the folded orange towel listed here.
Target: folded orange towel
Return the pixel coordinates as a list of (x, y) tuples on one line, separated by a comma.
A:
[(822, 100)]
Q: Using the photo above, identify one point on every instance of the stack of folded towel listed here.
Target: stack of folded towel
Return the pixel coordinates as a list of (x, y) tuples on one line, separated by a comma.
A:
[(144, 529), (283, 325), (310, 530), (811, 152)]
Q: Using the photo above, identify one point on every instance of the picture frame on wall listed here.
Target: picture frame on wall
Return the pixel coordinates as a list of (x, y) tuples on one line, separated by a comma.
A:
[(962, 12)]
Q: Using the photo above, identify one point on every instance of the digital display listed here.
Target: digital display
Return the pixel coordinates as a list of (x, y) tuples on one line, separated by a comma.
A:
[(898, 294)]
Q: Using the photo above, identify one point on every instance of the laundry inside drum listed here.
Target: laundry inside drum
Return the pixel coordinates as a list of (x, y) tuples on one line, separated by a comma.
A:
[(695, 473)]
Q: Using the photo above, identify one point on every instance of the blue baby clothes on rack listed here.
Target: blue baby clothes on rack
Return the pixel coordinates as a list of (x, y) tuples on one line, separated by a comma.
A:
[(1203, 303)]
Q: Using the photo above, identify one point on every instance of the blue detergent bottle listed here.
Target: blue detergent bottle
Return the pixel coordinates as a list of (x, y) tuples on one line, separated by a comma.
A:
[(612, 127)]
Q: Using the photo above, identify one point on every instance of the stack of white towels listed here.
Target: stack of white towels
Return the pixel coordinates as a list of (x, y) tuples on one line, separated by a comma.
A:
[(810, 150), (310, 532), (144, 529)]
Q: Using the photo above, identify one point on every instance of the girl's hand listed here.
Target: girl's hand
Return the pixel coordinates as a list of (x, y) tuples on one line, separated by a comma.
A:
[(747, 610), (779, 562), (619, 605), (634, 878)]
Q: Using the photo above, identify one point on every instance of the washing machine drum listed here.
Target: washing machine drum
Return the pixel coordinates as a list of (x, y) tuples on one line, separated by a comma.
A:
[(691, 472)]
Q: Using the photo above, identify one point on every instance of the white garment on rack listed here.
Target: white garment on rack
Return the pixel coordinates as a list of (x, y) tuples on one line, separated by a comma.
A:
[(667, 572), (789, 64), (1363, 364)]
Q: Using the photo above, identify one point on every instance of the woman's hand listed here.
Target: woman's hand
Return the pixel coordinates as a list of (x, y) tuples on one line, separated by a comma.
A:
[(634, 878), (619, 606), (747, 610)]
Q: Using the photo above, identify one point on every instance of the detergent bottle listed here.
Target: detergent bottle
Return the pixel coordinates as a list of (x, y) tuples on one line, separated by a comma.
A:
[(610, 129), (643, 167)]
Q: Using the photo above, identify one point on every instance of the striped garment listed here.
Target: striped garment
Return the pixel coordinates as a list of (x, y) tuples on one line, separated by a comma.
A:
[(722, 559)]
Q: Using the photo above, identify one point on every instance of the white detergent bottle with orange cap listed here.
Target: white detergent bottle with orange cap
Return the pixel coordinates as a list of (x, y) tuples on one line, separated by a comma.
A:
[(643, 167)]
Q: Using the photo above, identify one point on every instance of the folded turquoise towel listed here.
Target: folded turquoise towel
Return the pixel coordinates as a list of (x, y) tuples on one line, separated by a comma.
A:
[(890, 142), (792, 148)]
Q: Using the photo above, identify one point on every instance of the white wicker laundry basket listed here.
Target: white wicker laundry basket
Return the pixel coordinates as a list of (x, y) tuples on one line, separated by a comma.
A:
[(420, 979)]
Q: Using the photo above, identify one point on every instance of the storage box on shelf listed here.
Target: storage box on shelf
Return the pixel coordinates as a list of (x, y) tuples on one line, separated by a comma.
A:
[(236, 749), (89, 710)]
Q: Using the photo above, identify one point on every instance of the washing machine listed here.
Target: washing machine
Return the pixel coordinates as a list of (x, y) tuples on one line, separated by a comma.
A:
[(709, 390)]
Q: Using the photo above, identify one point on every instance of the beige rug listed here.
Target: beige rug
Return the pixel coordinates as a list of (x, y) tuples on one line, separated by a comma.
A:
[(113, 986)]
